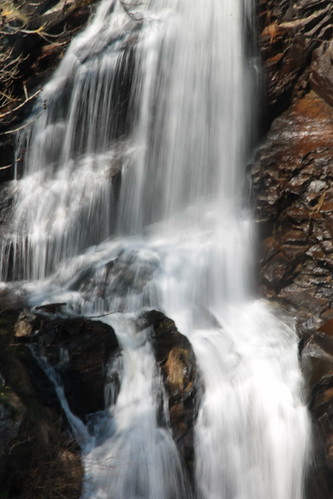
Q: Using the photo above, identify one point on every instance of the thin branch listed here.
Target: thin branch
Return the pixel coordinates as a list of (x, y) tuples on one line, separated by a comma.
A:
[(3, 115), (18, 129)]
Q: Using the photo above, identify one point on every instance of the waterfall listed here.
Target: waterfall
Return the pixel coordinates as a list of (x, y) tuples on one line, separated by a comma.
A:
[(133, 183)]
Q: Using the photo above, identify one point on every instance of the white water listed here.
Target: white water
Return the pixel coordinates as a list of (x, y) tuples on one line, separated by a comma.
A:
[(175, 237)]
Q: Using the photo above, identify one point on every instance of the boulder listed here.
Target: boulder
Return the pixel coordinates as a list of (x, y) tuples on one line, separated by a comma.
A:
[(79, 349), (175, 357)]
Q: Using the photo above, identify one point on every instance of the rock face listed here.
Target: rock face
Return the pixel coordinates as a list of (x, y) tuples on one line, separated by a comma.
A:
[(292, 182), (317, 364), (289, 33)]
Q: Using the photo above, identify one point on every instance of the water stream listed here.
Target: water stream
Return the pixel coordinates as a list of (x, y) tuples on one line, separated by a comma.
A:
[(132, 197)]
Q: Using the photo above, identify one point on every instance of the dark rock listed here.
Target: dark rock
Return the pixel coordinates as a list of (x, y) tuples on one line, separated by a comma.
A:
[(51, 308), (80, 350), (181, 379), (321, 76), (37, 457), (317, 364), (289, 34)]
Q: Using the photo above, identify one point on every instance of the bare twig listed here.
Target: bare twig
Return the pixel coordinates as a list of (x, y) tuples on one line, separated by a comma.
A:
[(18, 129), (11, 111)]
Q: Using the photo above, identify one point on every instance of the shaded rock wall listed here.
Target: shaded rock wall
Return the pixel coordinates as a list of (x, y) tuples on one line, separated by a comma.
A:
[(38, 457)]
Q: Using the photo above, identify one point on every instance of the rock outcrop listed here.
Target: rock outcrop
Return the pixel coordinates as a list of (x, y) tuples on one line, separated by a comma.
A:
[(34, 431), (175, 357), (292, 178), (38, 458), (289, 34), (292, 182), (80, 350)]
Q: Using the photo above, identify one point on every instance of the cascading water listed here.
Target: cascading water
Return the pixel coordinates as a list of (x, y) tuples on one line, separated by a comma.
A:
[(131, 197)]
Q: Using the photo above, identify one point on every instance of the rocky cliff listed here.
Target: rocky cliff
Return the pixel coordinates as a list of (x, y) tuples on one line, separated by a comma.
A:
[(292, 178)]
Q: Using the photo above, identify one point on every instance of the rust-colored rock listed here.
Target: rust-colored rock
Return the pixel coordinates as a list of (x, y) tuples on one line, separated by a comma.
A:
[(293, 180), (289, 33), (174, 355), (327, 328)]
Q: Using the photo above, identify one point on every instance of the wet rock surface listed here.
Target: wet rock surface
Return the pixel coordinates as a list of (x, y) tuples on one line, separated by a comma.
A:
[(317, 365), (292, 181), (175, 357), (289, 34), (79, 349), (293, 188), (33, 426)]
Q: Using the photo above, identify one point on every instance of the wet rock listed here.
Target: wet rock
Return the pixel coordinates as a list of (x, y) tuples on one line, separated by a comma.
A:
[(321, 76), (26, 324), (181, 379), (292, 179), (289, 35), (327, 328), (12, 413), (79, 349), (37, 457), (317, 365)]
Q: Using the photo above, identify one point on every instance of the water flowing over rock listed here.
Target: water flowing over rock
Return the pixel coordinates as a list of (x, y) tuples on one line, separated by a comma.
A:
[(128, 202)]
